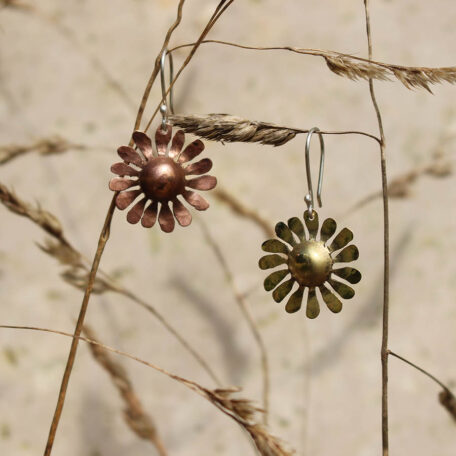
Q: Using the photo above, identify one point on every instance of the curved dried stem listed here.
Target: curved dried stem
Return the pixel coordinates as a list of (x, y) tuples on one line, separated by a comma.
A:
[(386, 249), (242, 411), (354, 67), (246, 313)]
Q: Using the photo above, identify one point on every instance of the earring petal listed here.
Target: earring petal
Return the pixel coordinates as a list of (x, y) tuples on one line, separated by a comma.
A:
[(331, 300), (195, 200), (351, 275), (202, 183), (135, 213), (282, 290), (162, 139), (272, 280), (166, 218), (118, 184), (143, 142), (341, 240), (313, 307), (350, 253), (122, 169), (284, 233), (274, 246), (124, 199), (341, 289), (271, 261), (295, 301), (297, 227), (182, 214), (312, 224), (150, 215), (201, 167), (129, 155), (191, 151), (177, 144), (328, 228)]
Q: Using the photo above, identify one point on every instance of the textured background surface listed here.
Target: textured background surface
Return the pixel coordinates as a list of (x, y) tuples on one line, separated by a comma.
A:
[(325, 373)]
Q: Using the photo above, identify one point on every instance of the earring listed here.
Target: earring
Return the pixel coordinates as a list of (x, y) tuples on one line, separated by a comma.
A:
[(310, 262), (161, 174)]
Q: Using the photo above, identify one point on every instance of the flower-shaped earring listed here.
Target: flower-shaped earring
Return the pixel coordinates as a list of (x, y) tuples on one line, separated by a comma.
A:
[(161, 174), (309, 261)]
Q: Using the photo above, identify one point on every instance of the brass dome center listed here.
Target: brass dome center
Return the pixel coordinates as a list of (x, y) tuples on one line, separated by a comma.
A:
[(162, 179), (310, 263)]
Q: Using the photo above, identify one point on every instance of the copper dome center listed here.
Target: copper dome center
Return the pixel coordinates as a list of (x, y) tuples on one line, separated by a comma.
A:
[(310, 263), (162, 179)]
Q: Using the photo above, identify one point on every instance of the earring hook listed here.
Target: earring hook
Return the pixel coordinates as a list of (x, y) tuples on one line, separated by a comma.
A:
[(164, 106), (309, 198)]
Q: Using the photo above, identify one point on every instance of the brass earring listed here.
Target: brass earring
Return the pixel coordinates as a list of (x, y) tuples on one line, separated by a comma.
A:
[(309, 261)]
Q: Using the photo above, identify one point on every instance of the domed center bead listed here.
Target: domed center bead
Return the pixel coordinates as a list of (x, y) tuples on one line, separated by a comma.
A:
[(310, 263), (162, 179)]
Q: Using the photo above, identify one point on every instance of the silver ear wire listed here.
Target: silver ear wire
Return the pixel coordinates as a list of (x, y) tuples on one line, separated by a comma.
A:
[(309, 198)]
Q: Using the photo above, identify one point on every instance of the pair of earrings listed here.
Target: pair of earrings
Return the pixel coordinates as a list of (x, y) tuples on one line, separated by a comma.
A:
[(164, 174), (310, 262)]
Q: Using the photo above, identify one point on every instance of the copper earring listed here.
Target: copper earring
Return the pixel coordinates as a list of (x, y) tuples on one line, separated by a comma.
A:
[(161, 174), (309, 261)]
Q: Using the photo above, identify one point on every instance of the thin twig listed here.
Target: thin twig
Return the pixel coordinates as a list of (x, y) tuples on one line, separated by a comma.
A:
[(104, 236), (219, 10), (241, 209), (228, 128), (245, 312), (386, 258), (134, 414), (446, 397), (240, 410), (354, 67)]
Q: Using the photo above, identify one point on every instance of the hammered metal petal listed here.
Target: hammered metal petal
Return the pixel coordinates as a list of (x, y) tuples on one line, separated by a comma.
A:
[(177, 144), (271, 261), (312, 224), (284, 233), (201, 167), (342, 289), (341, 240), (295, 301), (297, 227), (350, 253), (351, 275), (124, 199), (150, 215), (202, 183), (272, 280), (162, 139), (313, 307), (182, 214), (274, 246), (197, 201), (191, 151), (331, 300), (328, 228), (117, 184), (282, 290), (144, 143), (129, 155), (166, 218), (135, 213), (122, 169)]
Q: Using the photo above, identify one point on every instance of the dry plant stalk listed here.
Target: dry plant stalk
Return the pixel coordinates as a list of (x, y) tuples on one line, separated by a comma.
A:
[(228, 128), (241, 209), (46, 146), (240, 410), (77, 269), (356, 68), (135, 416), (240, 299)]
